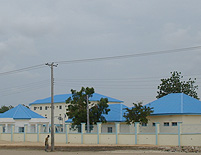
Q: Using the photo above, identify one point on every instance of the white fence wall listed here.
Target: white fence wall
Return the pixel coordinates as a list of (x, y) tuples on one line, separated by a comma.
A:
[(182, 135)]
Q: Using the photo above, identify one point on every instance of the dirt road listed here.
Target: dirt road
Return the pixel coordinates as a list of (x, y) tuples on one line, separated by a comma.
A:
[(37, 148), (119, 152)]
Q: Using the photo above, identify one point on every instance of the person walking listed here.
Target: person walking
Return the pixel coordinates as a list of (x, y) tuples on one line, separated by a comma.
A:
[(46, 143)]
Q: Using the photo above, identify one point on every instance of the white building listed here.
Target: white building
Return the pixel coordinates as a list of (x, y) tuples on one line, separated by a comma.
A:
[(43, 106), (173, 108), (19, 117)]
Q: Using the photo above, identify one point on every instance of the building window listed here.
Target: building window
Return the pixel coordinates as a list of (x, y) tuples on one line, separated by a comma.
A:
[(174, 123), (40, 108), (60, 107), (4, 129), (166, 123), (109, 129), (45, 115), (144, 124), (153, 124), (21, 129), (35, 108), (46, 107)]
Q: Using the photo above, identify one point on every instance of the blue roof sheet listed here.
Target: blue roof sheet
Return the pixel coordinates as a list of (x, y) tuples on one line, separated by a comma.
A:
[(20, 112), (176, 103), (63, 97), (115, 114)]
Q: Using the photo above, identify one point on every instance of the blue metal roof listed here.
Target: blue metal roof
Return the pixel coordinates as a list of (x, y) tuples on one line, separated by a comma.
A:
[(114, 115), (63, 97), (176, 104), (20, 112)]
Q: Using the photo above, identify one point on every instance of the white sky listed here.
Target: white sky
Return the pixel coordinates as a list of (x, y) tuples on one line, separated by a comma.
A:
[(35, 32)]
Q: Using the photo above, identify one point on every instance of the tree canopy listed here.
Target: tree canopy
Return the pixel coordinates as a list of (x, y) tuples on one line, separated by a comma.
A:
[(77, 107), (138, 113), (174, 84), (5, 108)]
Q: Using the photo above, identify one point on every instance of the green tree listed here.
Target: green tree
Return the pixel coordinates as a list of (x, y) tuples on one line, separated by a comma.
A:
[(77, 107), (138, 113), (5, 108), (174, 84)]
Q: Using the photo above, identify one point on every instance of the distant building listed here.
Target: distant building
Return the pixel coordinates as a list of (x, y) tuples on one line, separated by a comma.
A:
[(115, 115), (43, 106), (20, 116), (174, 108)]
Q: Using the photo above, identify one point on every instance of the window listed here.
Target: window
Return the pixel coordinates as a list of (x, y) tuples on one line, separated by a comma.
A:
[(174, 123), (21, 129), (45, 115), (109, 129), (144, 124), (153, 124), (40, 108), (46, 107), (4, 129), (60, 107), (166, 123), (35, 108)]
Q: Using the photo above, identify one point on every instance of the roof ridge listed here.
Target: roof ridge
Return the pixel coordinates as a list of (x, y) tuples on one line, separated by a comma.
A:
[(120, 111), (182, 102), (25, 110), (16, 110)]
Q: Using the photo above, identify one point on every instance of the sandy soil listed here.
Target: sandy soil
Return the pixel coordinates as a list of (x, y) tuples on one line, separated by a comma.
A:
[(40, 152), (30, 148)]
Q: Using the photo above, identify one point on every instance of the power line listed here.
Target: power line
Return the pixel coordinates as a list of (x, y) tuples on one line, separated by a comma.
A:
[(25, 86), (24, 90), (122, 80), (131, 55), (23, 69), (105, 58), (107, 86)]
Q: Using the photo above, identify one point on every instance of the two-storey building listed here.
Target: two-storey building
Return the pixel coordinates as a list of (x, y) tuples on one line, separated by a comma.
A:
[(43, 106)]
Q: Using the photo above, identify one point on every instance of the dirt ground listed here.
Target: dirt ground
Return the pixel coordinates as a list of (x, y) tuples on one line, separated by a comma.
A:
[(30, 148), (119, 152)]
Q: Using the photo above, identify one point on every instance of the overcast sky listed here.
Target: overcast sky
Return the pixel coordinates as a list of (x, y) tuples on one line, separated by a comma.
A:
[(34, 32)]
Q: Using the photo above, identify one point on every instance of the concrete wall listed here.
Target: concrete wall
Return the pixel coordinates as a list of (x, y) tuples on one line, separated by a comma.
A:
[(168, 139), (126, 139), (89, 139), (157, 138), (146, 139), (18, 137), (107, 139)]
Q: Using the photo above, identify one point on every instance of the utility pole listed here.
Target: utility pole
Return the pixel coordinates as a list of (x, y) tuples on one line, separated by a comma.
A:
[(87, 114), (52, 65)]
